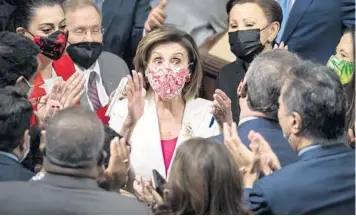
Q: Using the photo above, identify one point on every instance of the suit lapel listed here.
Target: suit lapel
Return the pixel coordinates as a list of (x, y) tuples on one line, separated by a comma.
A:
[(106, 79), (298, 10)]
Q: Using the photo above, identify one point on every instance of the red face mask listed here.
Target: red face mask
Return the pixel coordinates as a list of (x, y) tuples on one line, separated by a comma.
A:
[(167, 82), (52, 46)]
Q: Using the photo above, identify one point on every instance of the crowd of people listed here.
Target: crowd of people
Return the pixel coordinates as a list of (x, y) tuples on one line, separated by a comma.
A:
[(100, 110)]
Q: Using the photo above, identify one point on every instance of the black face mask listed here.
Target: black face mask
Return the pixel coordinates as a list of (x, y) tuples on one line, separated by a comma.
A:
[(85, 54), (246, 44)]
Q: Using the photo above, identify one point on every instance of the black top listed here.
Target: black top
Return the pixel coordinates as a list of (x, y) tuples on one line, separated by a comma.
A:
[(228, 80)]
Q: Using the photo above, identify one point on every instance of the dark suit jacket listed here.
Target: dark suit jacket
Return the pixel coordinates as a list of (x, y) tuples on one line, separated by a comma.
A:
[(58, 194), (12, 170), (123, 23), (321, 182), (314, 27), (228, 80), (272, 133)]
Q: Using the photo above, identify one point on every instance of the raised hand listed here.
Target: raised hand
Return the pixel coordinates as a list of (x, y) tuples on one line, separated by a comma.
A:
[(222, 108), (119, 163), (72, 91), (135, 97), (281, 46), (241, 154), (269, 160), (156, 17)]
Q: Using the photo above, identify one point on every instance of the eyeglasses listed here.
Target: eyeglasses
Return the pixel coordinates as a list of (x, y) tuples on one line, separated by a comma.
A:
[(84, 32)]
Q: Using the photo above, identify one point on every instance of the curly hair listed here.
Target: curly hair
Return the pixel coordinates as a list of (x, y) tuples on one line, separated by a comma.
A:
[(18, 57)]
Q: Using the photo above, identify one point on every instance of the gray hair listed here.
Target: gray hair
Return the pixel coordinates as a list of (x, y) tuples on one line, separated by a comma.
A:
[(265, 78), (316, 93), (72, 5), (74, 138)]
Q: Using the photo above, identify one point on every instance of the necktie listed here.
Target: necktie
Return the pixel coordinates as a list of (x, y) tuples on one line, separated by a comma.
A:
[(93, 92), (285, 5)]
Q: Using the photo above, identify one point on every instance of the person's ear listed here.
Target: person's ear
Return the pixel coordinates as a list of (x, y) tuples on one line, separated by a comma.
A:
[(297, 123), (274, 29), (26, 141), (242, 89), (21, 30)]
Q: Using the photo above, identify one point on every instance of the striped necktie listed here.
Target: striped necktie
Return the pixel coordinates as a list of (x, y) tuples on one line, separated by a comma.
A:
[(93, 91)]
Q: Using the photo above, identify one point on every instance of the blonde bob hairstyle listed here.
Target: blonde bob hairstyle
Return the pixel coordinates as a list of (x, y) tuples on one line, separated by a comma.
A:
[(169, 34)]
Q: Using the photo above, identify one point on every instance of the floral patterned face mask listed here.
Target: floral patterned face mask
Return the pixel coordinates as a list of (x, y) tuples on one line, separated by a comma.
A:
[(344, 69), (167, 82)]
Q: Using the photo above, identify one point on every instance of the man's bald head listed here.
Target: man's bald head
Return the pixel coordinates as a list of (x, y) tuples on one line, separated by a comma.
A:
[(74, 138)]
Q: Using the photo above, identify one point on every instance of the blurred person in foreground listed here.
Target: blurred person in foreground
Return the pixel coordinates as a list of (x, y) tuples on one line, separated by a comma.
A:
[(204, 180), (258, 98), (312, 116), (343, 62), (162, 108), (15, 116), (253, 28), (73, 161)]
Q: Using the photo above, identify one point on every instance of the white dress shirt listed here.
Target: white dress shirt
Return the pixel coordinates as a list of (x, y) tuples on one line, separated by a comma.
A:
[(103, 97)]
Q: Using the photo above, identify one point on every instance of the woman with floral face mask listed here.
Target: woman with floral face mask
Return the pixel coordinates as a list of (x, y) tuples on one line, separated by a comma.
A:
[(344, 65), (43, 21), (162, 109)]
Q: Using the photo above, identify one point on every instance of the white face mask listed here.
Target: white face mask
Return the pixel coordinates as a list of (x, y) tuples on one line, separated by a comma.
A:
[(27, 150)]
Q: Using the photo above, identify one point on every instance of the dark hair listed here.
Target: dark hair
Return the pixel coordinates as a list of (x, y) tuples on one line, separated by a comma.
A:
[(74, 138), (25, 11), (204, 179), (110, 134), (18, 57), (265, 78), (316, 93), (271, 8), (350, 89), (15, 117)]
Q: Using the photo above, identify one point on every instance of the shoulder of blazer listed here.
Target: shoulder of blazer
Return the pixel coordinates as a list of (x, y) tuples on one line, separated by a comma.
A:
[(113, 62), (64, 67)]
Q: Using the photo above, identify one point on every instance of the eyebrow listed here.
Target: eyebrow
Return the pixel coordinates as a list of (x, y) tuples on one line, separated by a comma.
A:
[(51, 24), (250, 19)]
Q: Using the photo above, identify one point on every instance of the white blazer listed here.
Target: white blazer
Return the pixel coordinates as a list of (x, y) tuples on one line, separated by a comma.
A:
[(146, 151)]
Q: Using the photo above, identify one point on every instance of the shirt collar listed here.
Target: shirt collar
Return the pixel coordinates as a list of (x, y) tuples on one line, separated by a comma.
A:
[(246, 119), (95, 67), (308, 148), (10, 155)]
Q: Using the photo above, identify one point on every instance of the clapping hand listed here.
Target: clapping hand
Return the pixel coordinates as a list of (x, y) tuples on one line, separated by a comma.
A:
[(281, 46), (269, 160), (136, 94), (222, 108), (63, 95), (147, 193), (119, 163), (156, 17)]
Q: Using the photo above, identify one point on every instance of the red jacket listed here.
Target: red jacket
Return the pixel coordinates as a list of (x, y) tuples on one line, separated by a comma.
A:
[(64, 68)]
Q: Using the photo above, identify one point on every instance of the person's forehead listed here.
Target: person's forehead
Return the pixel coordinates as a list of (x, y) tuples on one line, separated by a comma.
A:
[(169, 48), (86, 16), (247, 11), (51, 15)]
